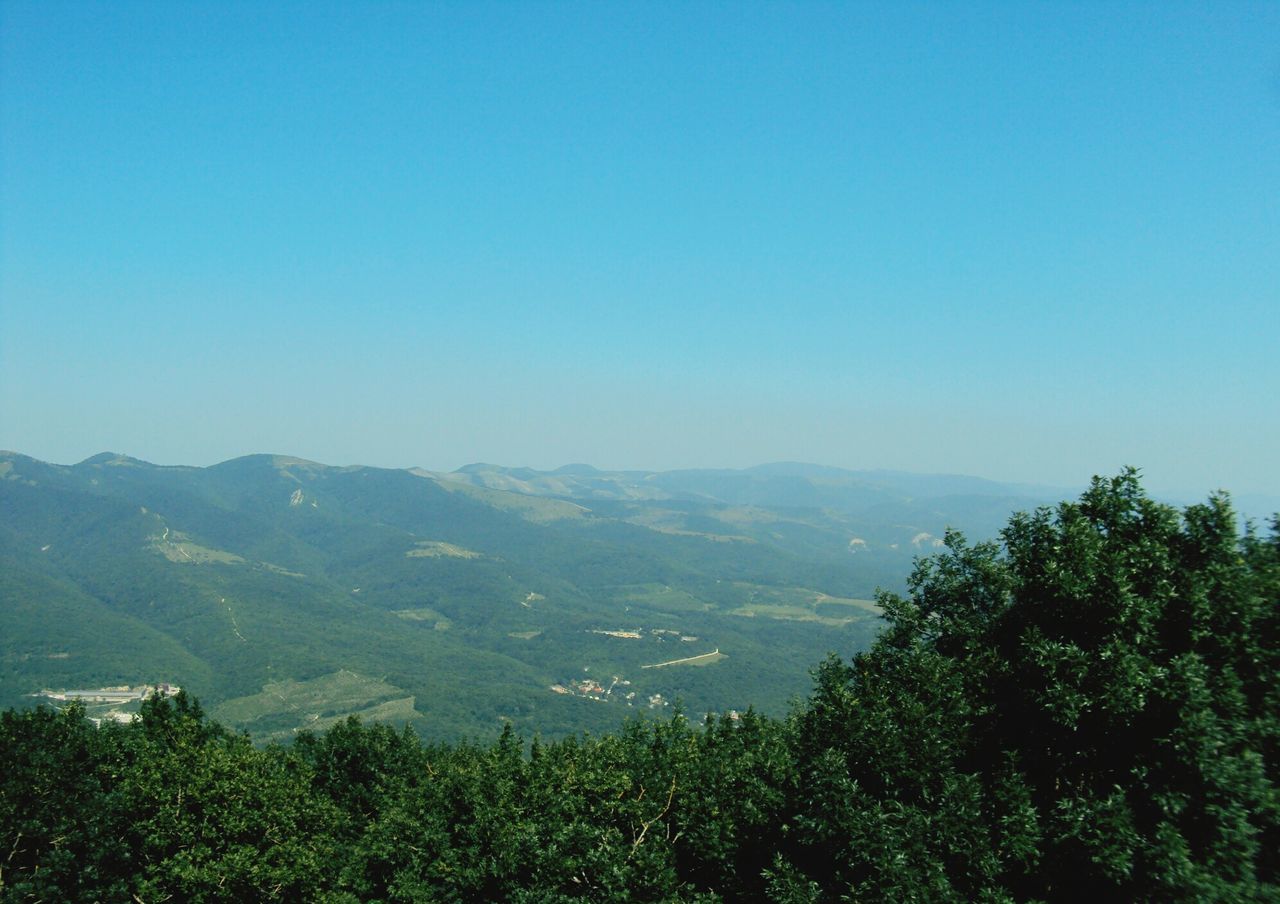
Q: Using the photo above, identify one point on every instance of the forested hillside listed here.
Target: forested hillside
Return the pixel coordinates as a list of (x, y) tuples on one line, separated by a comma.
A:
[(1086, 710), (287, 594)]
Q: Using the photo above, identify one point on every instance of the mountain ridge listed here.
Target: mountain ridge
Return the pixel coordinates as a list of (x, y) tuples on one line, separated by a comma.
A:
[(582, 469)]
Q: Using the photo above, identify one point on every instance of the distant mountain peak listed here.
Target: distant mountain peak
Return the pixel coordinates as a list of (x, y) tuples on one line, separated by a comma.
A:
[(112, 458), (579, 469), (478, 467), (267, 459), (291, 461)]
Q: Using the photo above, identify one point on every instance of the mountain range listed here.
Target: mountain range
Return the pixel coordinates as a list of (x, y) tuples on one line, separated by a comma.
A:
[(287, 594)]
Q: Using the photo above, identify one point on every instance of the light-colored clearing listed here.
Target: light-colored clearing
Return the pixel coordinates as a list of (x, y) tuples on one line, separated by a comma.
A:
[(175, 547), (424, 614), (316, 704), (435, 549)]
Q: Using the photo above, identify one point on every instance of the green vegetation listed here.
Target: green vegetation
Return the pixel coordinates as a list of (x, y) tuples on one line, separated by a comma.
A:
[(1088, 710), (471, 599), (661, 598)]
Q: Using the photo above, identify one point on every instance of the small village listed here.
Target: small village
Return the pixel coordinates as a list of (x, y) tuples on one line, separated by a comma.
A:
[(618, 688), (591, 689)]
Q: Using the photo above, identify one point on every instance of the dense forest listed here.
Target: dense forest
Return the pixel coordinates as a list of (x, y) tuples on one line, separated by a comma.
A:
[(1086, 709)]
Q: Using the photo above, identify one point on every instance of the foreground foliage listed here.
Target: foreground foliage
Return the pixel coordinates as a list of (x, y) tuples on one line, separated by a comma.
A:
[(1086, 709)]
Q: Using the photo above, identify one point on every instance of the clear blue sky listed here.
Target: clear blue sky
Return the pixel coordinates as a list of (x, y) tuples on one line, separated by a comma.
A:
[(1018, 240)]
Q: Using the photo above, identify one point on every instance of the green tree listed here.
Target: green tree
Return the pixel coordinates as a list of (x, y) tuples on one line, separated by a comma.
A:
[(1087, 709), (211, 818), (57, 837)]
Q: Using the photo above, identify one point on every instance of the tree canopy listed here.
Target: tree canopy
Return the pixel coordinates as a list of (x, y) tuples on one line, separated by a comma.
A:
[(1087, 708)]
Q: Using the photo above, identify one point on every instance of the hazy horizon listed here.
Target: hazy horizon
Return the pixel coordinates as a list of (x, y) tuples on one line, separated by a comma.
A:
[(1030, 244), (1251, 504)]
